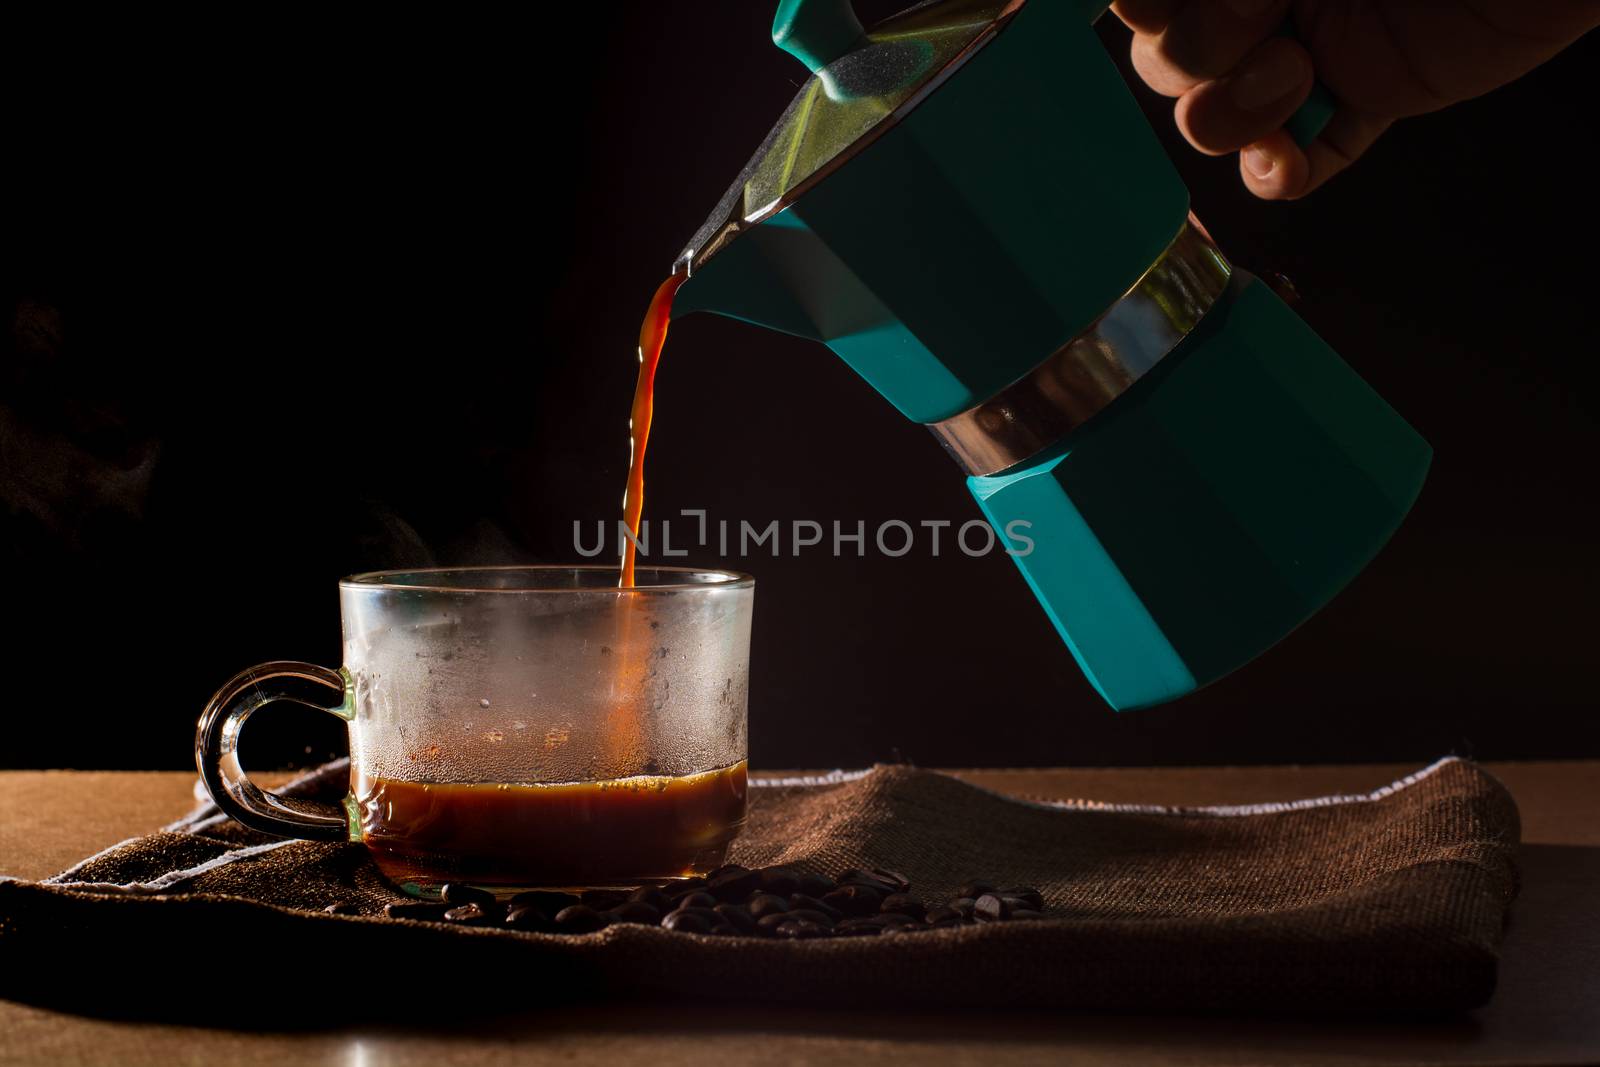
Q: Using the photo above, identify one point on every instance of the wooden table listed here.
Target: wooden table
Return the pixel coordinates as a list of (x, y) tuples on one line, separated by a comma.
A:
[(1547, 1010)]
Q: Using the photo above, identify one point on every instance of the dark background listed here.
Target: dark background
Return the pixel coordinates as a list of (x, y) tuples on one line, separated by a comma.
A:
[(293, 299)]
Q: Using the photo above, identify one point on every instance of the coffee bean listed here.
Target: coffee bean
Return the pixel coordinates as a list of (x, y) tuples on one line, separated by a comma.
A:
[(456, 893), (800, 900), (343, 909), (686, 922), (736, 900), (865, 930), (419, 911), (854, 899), (990, 908), (546, 900), (634, 911), (815, 885), (904, 904), (473, 913), (856, 876), (809, 915), (737, 917), (775, 901), (527, 917), (801, 930), (579, 919), (603, 899), (734, 885), (767, 904), (901, 883), (709, 914), (1028, 894), (779, 881), (651, 895)]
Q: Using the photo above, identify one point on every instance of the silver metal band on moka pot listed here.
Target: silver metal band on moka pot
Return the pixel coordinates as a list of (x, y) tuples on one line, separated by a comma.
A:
[(1086, 374)]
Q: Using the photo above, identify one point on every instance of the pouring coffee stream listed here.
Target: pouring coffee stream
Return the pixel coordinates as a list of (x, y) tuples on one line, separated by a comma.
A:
[(625, 731), (652, 338)]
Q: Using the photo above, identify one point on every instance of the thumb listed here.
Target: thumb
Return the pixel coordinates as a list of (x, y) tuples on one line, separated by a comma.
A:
[(1275, 168)]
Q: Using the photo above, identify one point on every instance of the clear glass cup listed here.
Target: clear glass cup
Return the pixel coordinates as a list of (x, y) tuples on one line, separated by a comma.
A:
[(518, 727)]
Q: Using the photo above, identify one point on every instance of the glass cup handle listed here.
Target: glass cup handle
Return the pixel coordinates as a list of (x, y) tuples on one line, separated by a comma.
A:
[(216, 749)]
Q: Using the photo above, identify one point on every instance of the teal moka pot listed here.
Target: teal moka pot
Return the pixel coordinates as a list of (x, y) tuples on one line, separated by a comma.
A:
[(966, 205)]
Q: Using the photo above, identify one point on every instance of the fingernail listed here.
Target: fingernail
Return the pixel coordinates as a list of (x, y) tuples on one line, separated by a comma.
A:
[(1273, 77), (1258, 162), (1250, 8)]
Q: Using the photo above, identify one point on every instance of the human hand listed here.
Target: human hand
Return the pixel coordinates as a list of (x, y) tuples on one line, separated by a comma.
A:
[(1237, 78)]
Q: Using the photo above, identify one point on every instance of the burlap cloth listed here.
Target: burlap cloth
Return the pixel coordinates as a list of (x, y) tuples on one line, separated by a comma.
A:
[(1388, 902)]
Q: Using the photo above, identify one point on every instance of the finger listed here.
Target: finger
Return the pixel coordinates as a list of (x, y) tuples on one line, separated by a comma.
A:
[(1204, 40), (1274, 168), (1257, 97), (1145, 16)]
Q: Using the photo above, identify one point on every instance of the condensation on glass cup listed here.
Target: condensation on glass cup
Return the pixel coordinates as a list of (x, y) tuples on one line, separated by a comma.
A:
[(587, 683)]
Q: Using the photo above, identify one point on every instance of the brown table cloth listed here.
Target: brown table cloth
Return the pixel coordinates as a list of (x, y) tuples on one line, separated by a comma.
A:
[(1388, 902)]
